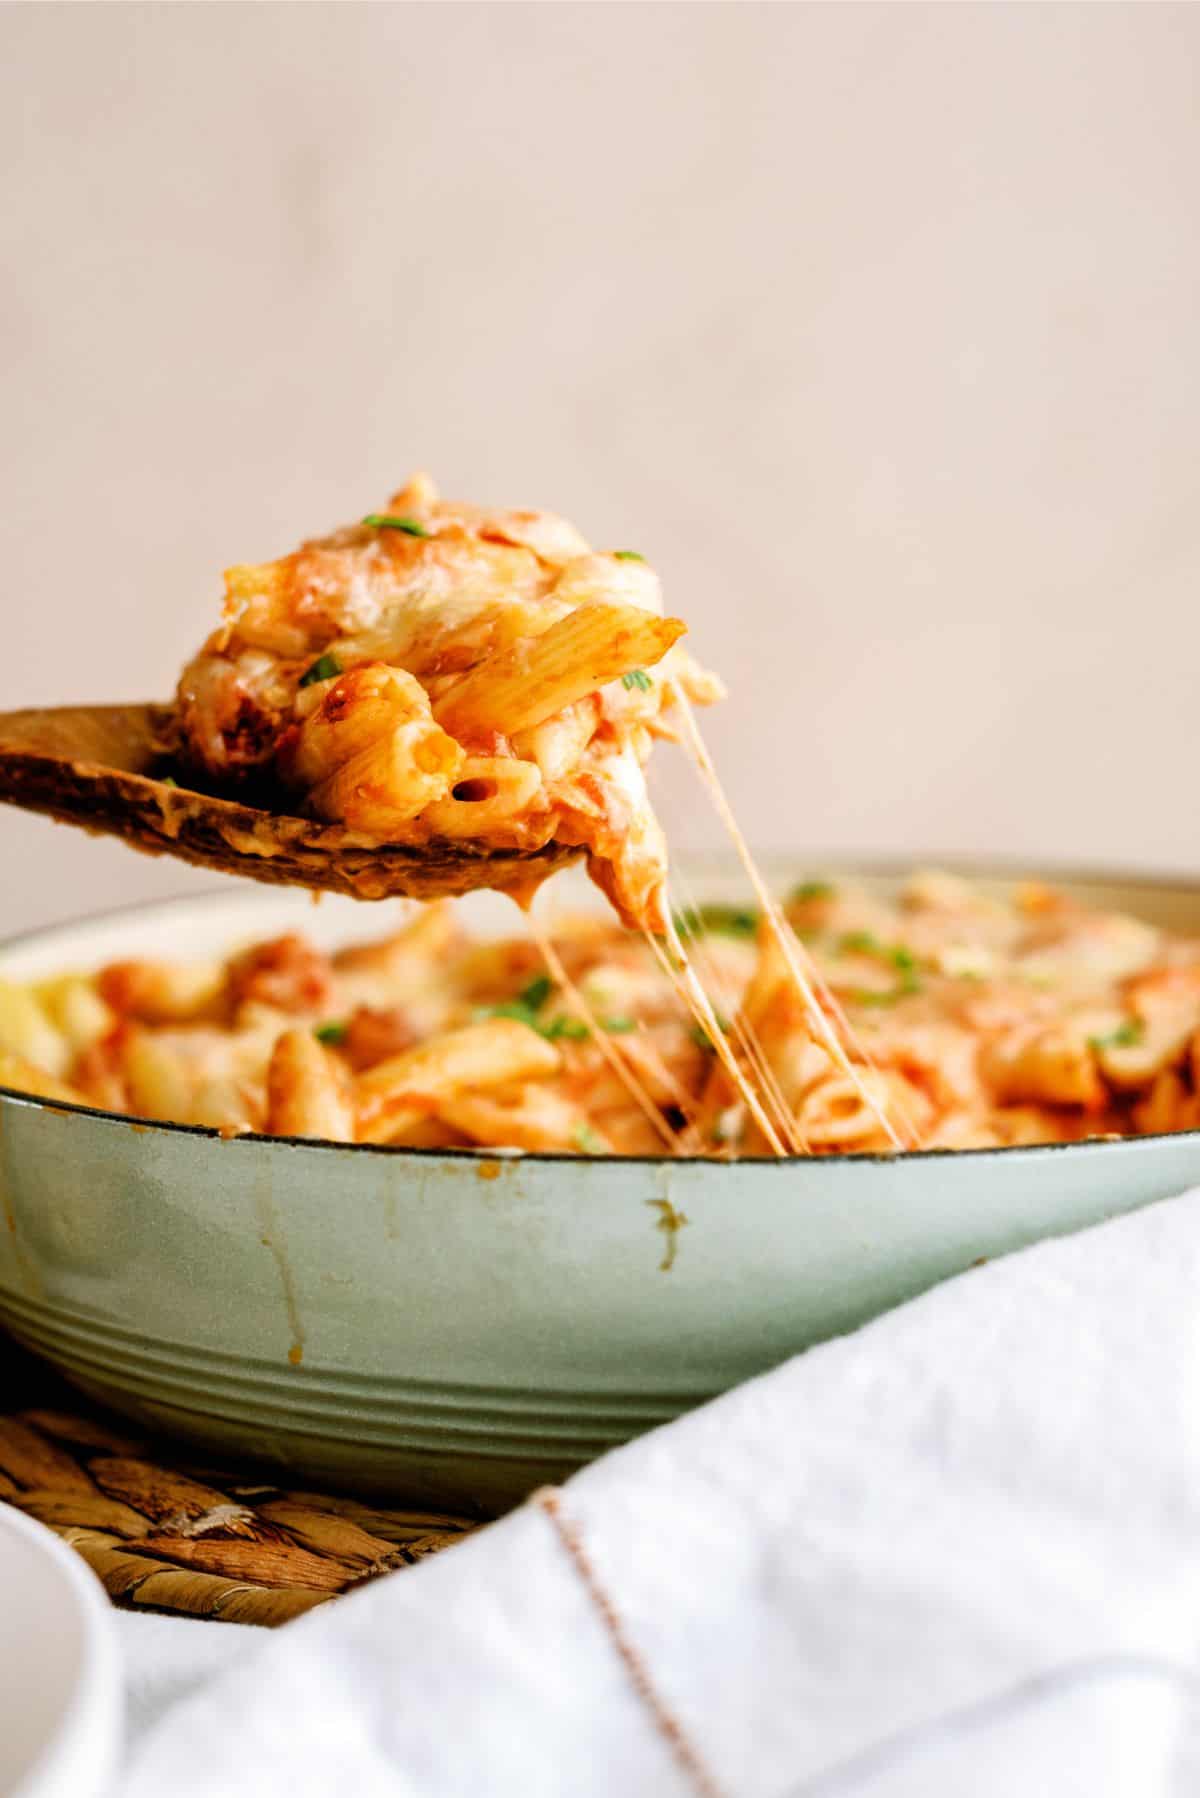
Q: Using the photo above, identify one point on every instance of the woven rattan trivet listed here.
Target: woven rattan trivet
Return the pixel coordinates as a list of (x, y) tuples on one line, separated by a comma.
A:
[(165, 1535)]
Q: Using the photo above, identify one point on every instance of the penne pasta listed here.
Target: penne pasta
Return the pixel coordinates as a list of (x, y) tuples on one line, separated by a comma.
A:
[(308, 1091), (490, 791), (76, 1010), (24, 1077), (491, 1053), (528, 1117), (941, 1003), (381, 788), (344, 717), (523, 686), (27, 1032), (156, 992), (157, 1079)]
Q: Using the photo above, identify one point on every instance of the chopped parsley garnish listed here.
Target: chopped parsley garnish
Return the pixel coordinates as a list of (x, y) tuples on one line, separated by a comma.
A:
[(383, 521), (168, 780), (536, 993), (511, 1008), (586, 1141), (324, 668), (703, 1040), (859, 942), (718, 920), (330, 1033), (863, 942), (637, 677), (903, 990), (810, 889), (1124, 1037), (573, 1030), (524, 1010), (628, 555)]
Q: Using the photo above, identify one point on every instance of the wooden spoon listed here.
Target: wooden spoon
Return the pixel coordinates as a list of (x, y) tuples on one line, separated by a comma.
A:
[(104, 768)]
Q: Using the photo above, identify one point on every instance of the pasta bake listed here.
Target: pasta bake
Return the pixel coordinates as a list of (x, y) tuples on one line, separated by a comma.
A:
[(440, 673), (974, 1021)]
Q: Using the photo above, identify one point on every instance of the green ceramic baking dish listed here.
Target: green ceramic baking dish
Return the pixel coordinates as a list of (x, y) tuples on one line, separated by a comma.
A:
[(455, 1327)]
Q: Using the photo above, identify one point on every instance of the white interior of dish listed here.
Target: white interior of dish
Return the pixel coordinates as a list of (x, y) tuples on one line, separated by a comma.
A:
[(59, 1698)]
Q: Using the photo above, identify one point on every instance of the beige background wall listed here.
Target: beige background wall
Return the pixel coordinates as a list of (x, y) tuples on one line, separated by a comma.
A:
[(875, 327)]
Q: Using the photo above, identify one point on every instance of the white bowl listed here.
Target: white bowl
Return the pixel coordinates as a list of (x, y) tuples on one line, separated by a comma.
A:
[(60, 1690)]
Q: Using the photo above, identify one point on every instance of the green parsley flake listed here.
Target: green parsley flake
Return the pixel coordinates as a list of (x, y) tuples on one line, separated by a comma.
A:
[(586, 1141), (810, 889), (324, 668), (703, 1040), (168, 780), (902, 990), (330, 1033), (637, 677), (511, 1008), (382, 521), (561, 1028), (525, 1008), (628, 555), (573, 1030), (862, 942), (1126, 1036), (536, 993), (717, 920), (859, 942)]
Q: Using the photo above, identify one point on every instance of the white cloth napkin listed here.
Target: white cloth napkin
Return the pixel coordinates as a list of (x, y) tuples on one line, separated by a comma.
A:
[(955, 1553)]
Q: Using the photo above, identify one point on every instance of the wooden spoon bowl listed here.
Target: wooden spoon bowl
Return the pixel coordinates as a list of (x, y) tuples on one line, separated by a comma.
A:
[(105, 769)]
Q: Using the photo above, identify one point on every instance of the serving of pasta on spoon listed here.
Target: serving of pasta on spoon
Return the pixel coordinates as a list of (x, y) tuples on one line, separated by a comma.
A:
[(437, 698)]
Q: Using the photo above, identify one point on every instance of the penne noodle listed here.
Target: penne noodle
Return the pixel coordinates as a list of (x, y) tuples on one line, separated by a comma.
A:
[(491, 1053), (24, 1077), (382, 787), (369, 750), (835, 1114), (342, 717), (522, 686), (1054, 1066), (158, 1080), (156, 992), (75, 1008), (558, 743), (308, 1091), (227, 1105), (518, 1117), (26, 1030), (489, 791)]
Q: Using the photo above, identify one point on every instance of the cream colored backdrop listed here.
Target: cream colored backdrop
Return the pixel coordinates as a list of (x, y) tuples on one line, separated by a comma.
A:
[(876, 327)]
